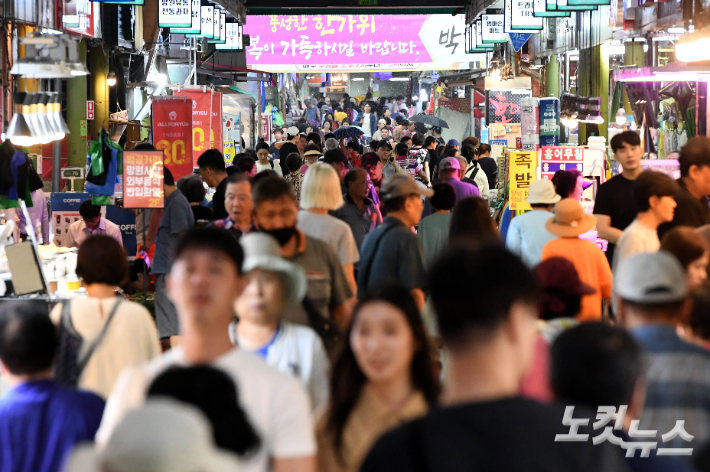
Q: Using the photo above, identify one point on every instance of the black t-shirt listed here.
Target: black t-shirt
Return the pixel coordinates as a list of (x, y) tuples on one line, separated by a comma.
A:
[(490, 167), (508, 435), (202, 213), (615, 198), (285, 150), (433, 163), (218, 211)]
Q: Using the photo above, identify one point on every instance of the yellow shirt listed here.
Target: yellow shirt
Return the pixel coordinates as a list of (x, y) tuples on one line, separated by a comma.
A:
[(340, 116), (370, 418)]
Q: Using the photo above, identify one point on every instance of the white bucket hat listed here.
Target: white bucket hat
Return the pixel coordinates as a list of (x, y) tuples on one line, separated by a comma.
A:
[(542, 192), (161, 436), (262, 251)]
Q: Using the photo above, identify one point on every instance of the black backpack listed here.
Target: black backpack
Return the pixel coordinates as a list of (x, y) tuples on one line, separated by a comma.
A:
[(71, 362)]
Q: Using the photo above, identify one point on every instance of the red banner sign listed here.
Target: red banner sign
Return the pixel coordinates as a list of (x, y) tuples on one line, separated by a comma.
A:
[(172, 134), (202, 135), (143, 179)]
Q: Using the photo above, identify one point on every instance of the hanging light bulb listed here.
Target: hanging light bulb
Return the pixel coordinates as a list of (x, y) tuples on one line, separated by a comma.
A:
[(621, 117), (41, 134), (111, 79), (18, 131), (49, 133), (55, 113)]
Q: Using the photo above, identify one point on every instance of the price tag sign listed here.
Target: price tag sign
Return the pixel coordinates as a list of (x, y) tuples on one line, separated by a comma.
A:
[(143, 179)]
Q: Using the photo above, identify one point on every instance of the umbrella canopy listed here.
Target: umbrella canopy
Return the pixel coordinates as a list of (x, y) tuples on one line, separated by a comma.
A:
[(348, 132), (429, 120)]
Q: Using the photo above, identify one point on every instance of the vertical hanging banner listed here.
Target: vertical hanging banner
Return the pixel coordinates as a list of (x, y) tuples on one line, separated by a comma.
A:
[(201, 121), (172, 134), (174, 13), (143, 179), (519, 17), (522, 172), (493, 29), (207, 26), (216, 124)]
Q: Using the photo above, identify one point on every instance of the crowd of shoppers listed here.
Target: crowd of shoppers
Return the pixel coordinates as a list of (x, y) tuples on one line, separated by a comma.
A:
[(293, 333)]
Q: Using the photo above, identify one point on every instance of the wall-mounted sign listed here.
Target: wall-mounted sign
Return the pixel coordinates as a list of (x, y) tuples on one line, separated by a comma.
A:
[(207, 28), (196, 18), (233, 38), (328, 43), (516, 21), (492, 31), (479, 37), (174, 13)]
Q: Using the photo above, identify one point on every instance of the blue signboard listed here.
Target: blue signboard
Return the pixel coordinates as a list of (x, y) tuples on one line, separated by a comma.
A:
[(519, 39), (126, 221)]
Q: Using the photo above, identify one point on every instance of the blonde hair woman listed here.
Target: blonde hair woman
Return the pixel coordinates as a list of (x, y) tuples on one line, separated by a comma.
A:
[(321, 193)]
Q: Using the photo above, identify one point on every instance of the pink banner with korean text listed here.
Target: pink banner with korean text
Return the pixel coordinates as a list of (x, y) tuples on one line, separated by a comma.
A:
[(322, 43)]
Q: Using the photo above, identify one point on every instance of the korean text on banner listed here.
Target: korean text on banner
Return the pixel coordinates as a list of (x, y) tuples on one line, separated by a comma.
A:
[(172, 134), (202, 135), (554, 158), (522, 172), (216, 125), (143, 179)]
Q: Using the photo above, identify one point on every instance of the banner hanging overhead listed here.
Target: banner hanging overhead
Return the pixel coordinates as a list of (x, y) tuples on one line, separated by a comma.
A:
[(172, 134), (207, 28), (322, 43), (234, 41), (548, 9), (202, 134)]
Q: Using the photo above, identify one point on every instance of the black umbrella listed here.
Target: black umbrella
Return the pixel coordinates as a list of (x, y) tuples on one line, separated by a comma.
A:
[(348, 132), (429, 120)]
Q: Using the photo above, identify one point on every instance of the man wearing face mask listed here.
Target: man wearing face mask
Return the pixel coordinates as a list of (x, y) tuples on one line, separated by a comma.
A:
[(276, 213)]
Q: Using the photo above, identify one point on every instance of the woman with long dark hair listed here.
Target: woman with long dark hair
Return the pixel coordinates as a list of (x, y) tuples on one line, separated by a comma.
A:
[(382, 378), (471, 222)]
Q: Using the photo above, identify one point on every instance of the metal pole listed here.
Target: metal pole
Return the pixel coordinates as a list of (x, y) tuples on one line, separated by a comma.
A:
[(57, 151), (472, 91), (259, 134)]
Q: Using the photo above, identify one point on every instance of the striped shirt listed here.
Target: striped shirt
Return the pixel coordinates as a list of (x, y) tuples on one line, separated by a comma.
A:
[(677, 385)]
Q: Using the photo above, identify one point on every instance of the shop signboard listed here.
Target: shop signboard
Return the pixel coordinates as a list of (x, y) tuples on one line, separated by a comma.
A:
[(519, 17), (126, 222), (202, 119), (82, 17), (207, 25), (143, 179), (175, 13), (234, 38), (522, 165), (492, 31), (554, 158), (336, 43), (547, 9), (172, 134), (195, 20), (503, 106)]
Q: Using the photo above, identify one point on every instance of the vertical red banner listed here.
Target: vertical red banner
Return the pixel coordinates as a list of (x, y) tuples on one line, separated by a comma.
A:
[(201, 121), (143, 179), (172, 134), (216, 125)]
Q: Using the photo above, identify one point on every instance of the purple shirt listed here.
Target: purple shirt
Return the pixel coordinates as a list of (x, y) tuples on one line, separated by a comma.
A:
[(78, 232), (38, 214), (462, 190)]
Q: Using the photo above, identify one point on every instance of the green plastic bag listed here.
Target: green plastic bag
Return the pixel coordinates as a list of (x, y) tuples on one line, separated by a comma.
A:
[(96, 156)]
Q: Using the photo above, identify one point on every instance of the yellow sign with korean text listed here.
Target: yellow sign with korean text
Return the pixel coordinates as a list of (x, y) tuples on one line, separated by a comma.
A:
[(521, 165)]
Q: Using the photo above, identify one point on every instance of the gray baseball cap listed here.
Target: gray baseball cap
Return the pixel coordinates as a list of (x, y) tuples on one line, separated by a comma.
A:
[(402, 185), (653, 277)]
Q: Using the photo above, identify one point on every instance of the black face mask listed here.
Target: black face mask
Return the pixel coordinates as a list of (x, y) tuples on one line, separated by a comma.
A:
[(282, 235)]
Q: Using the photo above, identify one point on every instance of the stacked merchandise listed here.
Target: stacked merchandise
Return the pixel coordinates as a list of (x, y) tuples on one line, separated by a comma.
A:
[(530, 123), (549, 122)]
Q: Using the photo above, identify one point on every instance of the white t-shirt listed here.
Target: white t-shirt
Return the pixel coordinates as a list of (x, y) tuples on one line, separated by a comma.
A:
[(636, 238), (333, 231), (366, 125), (298, 351), (481, 180), (277, 167), (275, 404), (130, 339)]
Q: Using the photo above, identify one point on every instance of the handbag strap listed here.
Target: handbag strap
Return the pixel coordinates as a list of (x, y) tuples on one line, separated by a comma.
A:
[(66, 322), (368, 267), (81, 364)]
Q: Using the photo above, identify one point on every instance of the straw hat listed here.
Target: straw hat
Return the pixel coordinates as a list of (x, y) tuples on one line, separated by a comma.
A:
[(542, 192), (570, 220)]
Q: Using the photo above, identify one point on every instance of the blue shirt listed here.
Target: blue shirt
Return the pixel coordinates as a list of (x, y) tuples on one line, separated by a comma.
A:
[(527, 236), (177, 218), (40, 423), (677, 385)]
